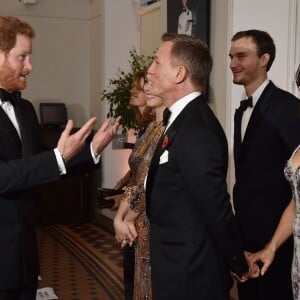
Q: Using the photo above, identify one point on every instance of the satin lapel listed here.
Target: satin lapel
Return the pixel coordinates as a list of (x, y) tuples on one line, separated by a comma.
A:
[(170, 134), (26, 134), (237, 133), (12, 134), (173, 129), (259, 110)]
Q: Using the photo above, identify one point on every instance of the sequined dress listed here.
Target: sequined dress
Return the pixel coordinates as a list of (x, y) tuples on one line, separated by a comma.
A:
[(139, 161), (292, 174)]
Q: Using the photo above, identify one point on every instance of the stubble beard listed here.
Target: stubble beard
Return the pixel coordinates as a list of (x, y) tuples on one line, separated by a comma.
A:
[(10, 80), (237, 80)]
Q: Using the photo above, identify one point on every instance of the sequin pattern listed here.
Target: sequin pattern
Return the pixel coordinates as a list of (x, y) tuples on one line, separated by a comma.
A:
[(139, 162), (293, 176)]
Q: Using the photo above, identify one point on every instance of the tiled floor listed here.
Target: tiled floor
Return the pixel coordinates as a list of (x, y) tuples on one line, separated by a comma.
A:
[(80, 262)]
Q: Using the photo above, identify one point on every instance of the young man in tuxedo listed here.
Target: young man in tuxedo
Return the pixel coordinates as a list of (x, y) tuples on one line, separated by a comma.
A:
[(266, 131), (194, 241), (23, 164)]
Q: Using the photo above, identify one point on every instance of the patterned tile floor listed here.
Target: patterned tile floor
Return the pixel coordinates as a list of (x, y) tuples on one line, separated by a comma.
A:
[(80, 262)]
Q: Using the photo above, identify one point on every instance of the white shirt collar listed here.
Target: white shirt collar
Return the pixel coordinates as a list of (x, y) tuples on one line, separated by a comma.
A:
[(259, 91), (180, 104)]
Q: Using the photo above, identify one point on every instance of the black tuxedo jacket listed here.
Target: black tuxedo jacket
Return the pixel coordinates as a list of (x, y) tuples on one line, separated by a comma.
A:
[(22, 167), (193, 235), (261, 192)]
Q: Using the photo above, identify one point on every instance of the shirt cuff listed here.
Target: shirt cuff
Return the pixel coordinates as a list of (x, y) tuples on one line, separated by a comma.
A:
[(96, 159), (60, 162)]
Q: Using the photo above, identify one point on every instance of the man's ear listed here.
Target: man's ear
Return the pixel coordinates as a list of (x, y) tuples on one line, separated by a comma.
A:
[(264, 59), (181, 74)]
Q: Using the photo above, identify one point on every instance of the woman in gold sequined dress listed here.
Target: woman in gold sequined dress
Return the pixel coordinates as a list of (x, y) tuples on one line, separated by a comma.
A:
[(131, 219)]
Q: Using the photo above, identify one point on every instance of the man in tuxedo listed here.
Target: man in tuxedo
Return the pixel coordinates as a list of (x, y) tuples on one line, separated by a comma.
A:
[(185, 19), (23, 165), (194, 240), (266, 131)]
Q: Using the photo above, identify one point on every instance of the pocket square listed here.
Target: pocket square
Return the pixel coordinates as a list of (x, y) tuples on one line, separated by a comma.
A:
[(164, 158)]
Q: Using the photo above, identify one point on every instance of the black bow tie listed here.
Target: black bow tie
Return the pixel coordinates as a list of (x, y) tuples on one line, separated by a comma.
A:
[(166, 116), (13, 98), (246, 103)]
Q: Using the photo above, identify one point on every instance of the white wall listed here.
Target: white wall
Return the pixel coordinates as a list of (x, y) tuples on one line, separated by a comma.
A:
[(152, 27), (96, 57), (121, 25), (218, 48)]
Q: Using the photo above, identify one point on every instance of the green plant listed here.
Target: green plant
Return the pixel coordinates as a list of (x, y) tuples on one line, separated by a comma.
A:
[(118, 93)]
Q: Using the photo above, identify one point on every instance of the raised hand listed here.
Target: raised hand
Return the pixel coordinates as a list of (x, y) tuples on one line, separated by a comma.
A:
[(70, 144), (104, 136)]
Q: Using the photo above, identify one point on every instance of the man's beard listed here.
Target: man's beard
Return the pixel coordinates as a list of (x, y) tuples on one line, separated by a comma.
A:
[(10, 80)]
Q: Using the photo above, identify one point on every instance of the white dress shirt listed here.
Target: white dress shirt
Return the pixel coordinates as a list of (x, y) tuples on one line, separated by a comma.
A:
[(247, 113), (9, 110)]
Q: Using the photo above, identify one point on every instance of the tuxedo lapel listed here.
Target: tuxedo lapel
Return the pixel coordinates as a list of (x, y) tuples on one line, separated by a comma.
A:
[(26, 134), (255, 119), (167, 138), (240, 148), (237, 133), (12, 134), (163, 144), (238, 116)]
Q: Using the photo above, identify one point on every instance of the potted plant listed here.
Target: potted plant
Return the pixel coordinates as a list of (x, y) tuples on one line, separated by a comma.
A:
[(118, 93)]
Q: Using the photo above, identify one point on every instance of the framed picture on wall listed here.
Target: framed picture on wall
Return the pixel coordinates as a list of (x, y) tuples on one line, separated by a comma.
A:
[(190, 17)]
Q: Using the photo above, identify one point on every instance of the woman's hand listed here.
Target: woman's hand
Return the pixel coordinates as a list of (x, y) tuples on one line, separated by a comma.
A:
[(266, 256), (125, 231), (253, 271), (132, 235), (121, 231), (130, 222)]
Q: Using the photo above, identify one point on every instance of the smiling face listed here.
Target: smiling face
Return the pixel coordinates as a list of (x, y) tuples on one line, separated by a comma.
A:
[(15, 65), (152, 101), (137, 94), (247, 67)]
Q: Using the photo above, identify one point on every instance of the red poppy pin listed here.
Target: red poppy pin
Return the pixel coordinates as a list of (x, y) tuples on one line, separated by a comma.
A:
[(165, 142)]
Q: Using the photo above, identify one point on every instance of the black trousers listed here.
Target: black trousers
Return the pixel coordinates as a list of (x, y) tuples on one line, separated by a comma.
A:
[(128, 272), (27, 292)]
